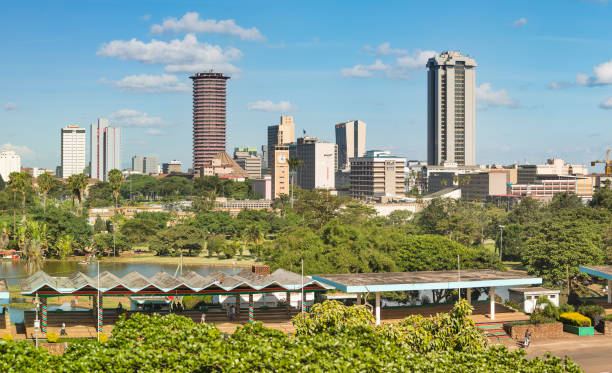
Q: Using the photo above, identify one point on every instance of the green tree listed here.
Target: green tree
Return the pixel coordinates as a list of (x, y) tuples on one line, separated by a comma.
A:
[(177, 239), (138, 230), (99, 225), (45, 182), (77, 184), (115, 179), (109, 244), (21, 182)]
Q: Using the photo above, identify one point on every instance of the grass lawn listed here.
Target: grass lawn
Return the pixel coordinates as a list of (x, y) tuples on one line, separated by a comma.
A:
[(515, 266)]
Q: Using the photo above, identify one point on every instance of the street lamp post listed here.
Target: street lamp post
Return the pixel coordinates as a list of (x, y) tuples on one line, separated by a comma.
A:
[(501, 241)]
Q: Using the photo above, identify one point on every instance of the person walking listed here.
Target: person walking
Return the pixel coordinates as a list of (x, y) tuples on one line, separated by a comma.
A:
[(63, 330), (203, 318), (232, 312), (527, 340)]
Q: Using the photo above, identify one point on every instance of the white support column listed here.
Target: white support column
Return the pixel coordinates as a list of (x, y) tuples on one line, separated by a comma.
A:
[(469, 295), (358, 299), (609, 291), (492, 298), (377, 308)]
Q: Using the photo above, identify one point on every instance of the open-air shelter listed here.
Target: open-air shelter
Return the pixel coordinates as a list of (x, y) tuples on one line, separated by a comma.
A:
[(44, 286), (363, 283), (604, 272)]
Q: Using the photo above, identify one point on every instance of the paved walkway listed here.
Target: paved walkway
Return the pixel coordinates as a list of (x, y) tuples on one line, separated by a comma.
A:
[(593, 353)]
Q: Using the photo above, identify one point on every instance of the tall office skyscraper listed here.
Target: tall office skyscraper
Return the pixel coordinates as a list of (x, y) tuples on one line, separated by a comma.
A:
[(279, 138), (105, 149), (209, 116), (451, 109), (73, 151), (350, 137)]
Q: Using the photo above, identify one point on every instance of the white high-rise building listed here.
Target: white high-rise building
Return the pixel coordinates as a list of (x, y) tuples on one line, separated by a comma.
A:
[(451, 109), (105, 149), (73, 151), (9, 162), (351, 140), (319, 163)]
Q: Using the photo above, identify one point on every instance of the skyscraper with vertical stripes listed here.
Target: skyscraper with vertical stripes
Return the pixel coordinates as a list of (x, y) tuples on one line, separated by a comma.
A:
[(105, 149), (451, 109), (209, 116)]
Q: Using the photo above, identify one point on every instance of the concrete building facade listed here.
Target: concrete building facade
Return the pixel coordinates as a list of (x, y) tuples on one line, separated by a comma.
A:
[(319, 163), (263, 187), (529, 174), (9, 162), (173, 166), (145, 165), (377, 174), (105, 149), (480, 186), (351, 141), (451, 109), (250, 163), (280, 171), (280, 134), (209, 116), (74, 157)]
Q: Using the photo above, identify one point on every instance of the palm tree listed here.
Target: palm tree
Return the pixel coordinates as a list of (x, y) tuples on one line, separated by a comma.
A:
[(294, 164), (45, 183), (115, 178), (20, 182), (78, 183)]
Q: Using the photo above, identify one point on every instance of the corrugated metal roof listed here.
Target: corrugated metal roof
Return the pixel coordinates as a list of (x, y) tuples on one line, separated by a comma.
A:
[(165, 282)]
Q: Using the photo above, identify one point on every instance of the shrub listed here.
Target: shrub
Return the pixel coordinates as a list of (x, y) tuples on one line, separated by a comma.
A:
[(566, 308), (539, 318), (103, 337), (574, 318), (593, 312), (52, 337), (7, 337), (608, 317)]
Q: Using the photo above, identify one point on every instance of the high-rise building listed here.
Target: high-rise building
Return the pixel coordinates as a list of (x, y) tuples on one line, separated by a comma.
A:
[(377, 174), (138, 164), (250, 162), (209, 116), (145, 165), (279, 138), (9, 162), (451, 109), (73, 151), (105, 149), (319, 163), (351, 140), (280, 171), (172, 167)]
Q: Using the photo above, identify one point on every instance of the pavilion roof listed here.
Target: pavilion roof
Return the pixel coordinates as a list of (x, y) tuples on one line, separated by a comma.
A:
[(165, 283)]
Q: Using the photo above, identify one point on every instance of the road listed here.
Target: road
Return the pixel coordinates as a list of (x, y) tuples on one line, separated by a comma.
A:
[(593, 353)]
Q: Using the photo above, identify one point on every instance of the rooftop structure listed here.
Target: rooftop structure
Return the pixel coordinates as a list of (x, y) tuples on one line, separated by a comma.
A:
[(223, 166), (424, 280)]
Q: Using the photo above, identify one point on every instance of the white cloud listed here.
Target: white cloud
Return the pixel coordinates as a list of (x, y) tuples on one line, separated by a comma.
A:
[(363, 71), (150, 83), (191, 22), (485, 94), (134, 118), (559, 85), (602, 75), (9, 106), (385, 50), (22, 150), (145, 17), (402, 68), (606, 104), (155, 132), (178, 55), (269, 106), (520, 22)]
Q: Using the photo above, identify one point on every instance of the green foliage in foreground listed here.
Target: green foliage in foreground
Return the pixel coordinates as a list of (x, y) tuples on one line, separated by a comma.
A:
[(176, 344)]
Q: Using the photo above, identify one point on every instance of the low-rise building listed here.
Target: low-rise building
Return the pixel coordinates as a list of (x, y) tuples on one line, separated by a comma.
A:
[(546, 189), (263, 187), (480, 186), (377, 174), (222, 166), (171, 167), (249, 162), (235, 206)]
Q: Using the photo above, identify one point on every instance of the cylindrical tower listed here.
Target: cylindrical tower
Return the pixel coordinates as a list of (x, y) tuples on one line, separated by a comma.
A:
[(209, 115)]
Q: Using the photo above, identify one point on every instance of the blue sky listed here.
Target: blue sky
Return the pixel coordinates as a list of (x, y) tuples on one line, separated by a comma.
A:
[(544, 76)]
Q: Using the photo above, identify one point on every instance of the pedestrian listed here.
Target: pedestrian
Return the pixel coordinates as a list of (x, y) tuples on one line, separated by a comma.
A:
[(232, 312), (527, 339), (227, 310), (203, 318), (63, 330)]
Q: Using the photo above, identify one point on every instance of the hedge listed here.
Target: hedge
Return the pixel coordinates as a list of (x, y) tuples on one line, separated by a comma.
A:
[(574, 318)]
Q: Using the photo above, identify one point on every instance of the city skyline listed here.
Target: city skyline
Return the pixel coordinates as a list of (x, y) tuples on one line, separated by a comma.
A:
[(315, 73)]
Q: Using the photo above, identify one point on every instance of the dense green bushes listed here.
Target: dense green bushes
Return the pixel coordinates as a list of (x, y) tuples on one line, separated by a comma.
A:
[(176, 344)]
